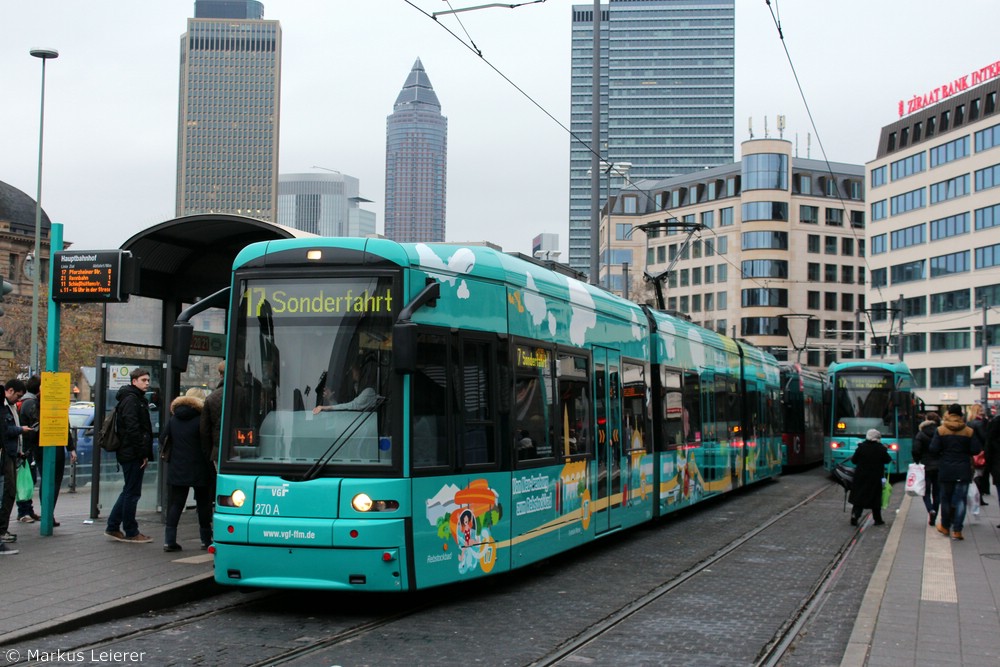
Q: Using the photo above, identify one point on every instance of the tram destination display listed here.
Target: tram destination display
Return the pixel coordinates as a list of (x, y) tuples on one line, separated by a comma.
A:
[(97, 276)]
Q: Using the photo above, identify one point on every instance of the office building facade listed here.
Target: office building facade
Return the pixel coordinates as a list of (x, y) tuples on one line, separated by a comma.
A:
[(666, 96), (934, 198), (324, 204), (416, 163), (229, 108), (776, 253)]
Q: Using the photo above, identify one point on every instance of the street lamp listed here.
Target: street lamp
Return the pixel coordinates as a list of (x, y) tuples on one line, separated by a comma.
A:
[(43, 54)]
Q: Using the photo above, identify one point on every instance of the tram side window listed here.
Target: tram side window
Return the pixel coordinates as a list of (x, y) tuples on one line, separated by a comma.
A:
[(429, 412), (533, 407), (727, 407), (636, 408), (674, 419), (574, 405), (477, 405), (691, 404)]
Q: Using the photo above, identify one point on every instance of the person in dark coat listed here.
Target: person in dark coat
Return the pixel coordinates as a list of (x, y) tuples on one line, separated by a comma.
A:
[(188, 466), (870, 459), (993, 451), (135, 431), (956, 444), (921, 454)]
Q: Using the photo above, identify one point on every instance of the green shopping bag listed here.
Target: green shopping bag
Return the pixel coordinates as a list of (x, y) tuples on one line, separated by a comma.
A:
[(886, 494), (25, 485)]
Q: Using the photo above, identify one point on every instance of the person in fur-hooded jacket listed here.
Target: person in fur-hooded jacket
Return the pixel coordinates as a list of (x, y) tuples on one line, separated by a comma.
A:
[(188, 466), (922, 454), (956, 443)]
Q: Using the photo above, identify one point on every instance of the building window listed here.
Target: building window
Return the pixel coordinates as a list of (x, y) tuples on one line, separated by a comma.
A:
[(910, 236), (726, 217), (953, 150), (952, 376), (630, 204), (812, 243), (908, 201), (908, 166), (847, 246), (764, 210), (830, 273), (907, 272), (915, 306), (765, 240), (812, 300), (830, 301), (809, 215), (988, 256), (879, 210), (765, 171), (952, 226), (708, 219), (765, 297), (879, 277), (986, 178), (765, 268), (835, 217), (878, 176), (812, 272), (987, 139), (952, 188), (847, 274), (623, 231), (949, 302), (878, 244), (946, 265)]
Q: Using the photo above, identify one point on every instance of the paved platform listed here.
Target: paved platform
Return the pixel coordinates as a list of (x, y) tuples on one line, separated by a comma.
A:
[(79, 576), (932, 600)]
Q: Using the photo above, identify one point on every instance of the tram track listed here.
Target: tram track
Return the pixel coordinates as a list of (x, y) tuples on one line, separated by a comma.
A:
[(771, 654)]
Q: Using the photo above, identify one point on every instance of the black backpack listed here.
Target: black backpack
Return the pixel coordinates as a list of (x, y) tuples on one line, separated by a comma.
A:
[(110, 442)]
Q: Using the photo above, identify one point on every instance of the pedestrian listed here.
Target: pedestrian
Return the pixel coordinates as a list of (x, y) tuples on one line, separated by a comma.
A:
[(135, 431), (13, 454), (993, 452), (26, 508), (870, 459), (956, 443), (30, 412), (921, 454), (978, 423), (188, 466)]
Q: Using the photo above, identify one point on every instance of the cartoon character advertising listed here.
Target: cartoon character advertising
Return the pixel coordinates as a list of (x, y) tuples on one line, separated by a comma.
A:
[(463, 518)]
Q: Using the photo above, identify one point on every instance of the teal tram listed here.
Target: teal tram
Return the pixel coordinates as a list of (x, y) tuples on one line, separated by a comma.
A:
[(868, 394), (402, 416), (803, 392)]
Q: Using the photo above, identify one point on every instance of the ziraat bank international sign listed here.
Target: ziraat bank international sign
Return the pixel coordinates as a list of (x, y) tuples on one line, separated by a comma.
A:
[(962, 83)]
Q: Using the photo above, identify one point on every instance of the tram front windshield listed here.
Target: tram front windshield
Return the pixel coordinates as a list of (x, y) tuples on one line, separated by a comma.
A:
[(862, 402), (311, 374)]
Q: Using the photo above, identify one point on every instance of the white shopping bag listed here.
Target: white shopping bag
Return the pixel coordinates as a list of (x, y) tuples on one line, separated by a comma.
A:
[(915, 484)]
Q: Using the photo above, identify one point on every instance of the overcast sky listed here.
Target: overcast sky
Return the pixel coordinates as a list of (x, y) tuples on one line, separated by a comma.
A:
[(111, 96)]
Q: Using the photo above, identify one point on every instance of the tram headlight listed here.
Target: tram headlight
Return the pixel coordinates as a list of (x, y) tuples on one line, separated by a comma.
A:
[(364, 503), (234, 499), (361, 502)]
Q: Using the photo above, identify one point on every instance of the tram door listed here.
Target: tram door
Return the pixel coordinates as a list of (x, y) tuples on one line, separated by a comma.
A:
[(607, 400)]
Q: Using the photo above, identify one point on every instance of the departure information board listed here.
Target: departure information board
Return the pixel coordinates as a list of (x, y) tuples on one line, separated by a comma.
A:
[(89, 276)]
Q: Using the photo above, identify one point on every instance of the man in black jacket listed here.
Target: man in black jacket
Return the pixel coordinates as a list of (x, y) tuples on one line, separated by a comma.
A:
[(10, 434), (135, 431), (956, 443)]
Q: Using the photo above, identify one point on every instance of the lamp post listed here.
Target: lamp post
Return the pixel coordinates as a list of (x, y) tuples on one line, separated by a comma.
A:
[(33, 365)]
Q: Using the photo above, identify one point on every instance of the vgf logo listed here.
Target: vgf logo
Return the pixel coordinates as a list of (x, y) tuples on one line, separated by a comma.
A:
[(279, 490)]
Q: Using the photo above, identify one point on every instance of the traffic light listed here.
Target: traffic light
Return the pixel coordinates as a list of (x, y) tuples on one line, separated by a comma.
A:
[(4, 291)]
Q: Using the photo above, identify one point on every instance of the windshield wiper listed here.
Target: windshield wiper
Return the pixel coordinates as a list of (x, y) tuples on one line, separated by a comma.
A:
[(342, 439)]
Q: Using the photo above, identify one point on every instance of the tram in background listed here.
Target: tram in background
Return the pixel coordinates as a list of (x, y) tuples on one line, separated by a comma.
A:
[(401, 416), (803, 393), (867, 394)]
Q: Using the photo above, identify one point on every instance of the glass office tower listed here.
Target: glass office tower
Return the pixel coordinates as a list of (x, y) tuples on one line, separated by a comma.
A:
[(416, 163), (227, 138), (666, 98)]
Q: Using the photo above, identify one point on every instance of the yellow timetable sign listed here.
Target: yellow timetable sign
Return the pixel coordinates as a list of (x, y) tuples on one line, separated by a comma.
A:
[(53, 424)]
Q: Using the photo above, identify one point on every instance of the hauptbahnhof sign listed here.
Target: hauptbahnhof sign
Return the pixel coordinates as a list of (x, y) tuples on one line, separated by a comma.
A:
[(87, 276)]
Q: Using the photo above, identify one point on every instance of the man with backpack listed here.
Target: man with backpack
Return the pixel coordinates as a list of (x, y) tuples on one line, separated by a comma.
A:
[(135, 431)]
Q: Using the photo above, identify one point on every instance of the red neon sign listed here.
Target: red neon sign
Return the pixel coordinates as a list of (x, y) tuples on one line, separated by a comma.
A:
[(962, 83)]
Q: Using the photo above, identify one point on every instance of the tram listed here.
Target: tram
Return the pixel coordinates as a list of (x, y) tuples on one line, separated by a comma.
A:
[(803, 393), (402, 416), (868, 394)]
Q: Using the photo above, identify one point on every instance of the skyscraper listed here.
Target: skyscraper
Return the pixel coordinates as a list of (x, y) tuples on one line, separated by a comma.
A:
[(324, 204), (666, 98), (227, 135), (416, 163)]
